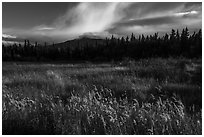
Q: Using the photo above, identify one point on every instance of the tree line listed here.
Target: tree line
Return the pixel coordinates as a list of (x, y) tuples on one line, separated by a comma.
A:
[(175, 44)]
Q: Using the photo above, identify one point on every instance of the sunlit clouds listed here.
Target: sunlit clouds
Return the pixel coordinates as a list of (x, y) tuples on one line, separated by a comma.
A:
[(94, 18), (8, 36), (105, 19)]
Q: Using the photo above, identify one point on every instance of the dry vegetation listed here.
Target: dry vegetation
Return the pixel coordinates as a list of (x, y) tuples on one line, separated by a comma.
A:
[(150, 96)]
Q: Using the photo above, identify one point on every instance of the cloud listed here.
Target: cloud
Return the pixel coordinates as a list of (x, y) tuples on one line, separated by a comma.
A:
[(96, 35), (186, 13), (22, 34), (152, 9), (8, 36), (43, 27), (82, 19), (148, 21), (8, 42), (90, 17), (189, 6), (104, 19), (170, 19), (10, 39)]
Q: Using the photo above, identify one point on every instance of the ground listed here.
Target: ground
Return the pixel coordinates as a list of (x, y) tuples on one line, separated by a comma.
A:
[(149, 96)]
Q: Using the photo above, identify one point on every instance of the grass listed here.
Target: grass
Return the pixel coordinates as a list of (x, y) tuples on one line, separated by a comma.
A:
[(151, 96)]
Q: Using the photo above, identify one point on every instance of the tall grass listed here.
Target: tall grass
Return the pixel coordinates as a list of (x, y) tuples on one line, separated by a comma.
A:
[(136, 98), (94, 114)]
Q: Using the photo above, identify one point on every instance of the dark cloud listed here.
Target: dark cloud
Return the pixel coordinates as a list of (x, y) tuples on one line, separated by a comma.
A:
[(142, 9), (159, 17), (193, 5)]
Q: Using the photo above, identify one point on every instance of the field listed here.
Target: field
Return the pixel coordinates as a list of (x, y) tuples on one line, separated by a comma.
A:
[(149, 96)]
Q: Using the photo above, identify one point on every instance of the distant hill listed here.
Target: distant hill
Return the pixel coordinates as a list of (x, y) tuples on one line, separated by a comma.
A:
[(81, 42)]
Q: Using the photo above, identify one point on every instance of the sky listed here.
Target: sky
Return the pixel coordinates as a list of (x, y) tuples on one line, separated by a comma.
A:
[(59, 21)]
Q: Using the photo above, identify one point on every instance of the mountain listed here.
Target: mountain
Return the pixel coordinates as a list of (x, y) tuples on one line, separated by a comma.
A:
[(81, 42)]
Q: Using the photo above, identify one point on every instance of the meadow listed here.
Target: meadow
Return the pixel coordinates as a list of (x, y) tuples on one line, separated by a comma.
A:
[(147, 96)]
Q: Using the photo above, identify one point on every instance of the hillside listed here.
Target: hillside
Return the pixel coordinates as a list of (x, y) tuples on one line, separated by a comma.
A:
[(81, 42)]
